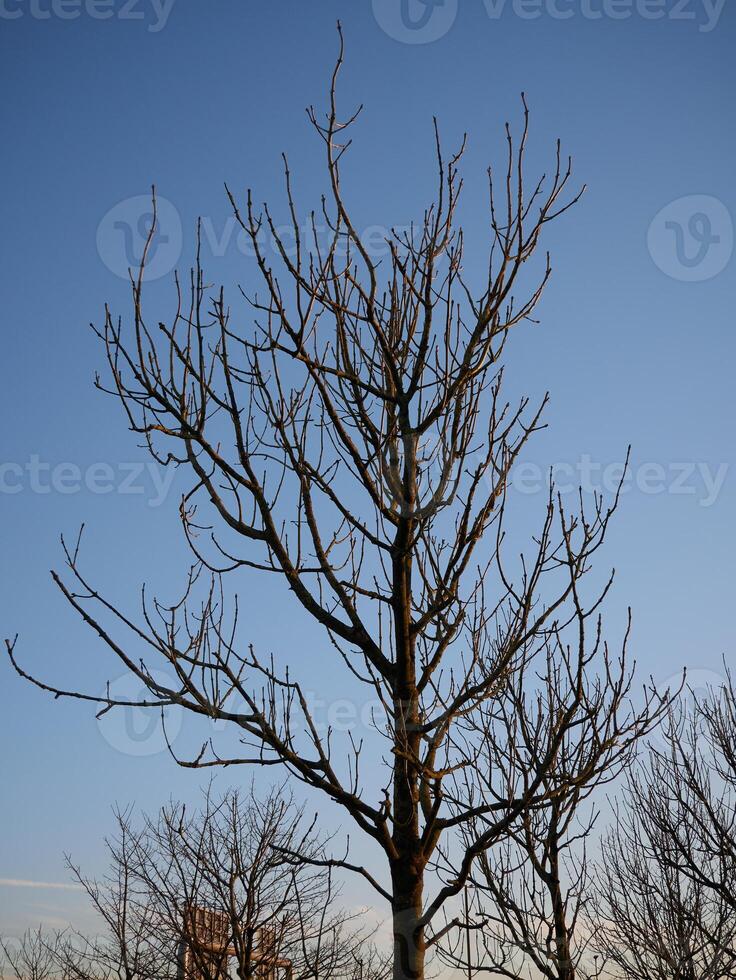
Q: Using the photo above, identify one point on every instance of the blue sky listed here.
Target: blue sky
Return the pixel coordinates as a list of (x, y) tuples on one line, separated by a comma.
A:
[(636, 345)]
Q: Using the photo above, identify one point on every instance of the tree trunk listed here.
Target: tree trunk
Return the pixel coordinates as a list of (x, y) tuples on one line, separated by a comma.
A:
[(565, 965), (409, 945), (407, 869)]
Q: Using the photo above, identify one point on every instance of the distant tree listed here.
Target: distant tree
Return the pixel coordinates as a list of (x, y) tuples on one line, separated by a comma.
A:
[(130, 944), (355, 443), (227, 862), (528, 908), (688, 790), (33, 956), (663, 890)]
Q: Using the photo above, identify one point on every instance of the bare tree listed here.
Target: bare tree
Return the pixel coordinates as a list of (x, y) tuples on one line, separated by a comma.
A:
[(226, 864), (670, 869), (34, 956), (655, 922), (527, 914), (355, 443), (130, 944), (235, 857), (689, 790)]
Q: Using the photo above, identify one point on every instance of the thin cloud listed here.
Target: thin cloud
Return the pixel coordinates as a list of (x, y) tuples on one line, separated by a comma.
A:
[(22, 883)]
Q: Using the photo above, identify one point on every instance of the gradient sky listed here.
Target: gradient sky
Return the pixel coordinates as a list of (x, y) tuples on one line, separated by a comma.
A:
[(636, 344)]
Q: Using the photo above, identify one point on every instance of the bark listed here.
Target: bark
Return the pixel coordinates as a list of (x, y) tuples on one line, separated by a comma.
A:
[(408, 931)]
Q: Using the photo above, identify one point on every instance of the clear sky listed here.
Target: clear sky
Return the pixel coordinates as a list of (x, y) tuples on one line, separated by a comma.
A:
[(102, 98)]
